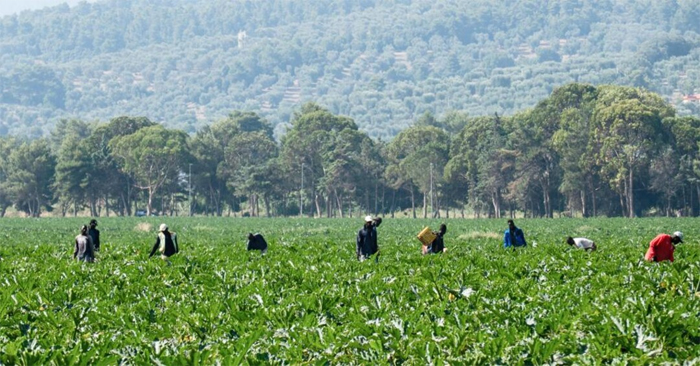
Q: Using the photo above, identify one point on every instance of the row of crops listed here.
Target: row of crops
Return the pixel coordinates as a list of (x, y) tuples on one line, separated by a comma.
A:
[(308, 301)]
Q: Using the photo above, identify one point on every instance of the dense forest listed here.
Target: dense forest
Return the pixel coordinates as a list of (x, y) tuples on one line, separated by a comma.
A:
[(583, 151), (383, 63)]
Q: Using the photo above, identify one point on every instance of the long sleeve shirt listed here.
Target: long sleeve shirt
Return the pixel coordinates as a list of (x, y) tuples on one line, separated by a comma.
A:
[(660, 249), (366, 242), (257, 243), (438, 244), (166, 244), (94, 234), (514, 239)]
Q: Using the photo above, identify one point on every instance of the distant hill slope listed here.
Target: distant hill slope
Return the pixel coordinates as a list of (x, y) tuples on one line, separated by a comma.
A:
[(188, 62)]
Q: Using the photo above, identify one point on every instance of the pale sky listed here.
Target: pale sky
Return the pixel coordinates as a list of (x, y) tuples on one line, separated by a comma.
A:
[(15, 6)]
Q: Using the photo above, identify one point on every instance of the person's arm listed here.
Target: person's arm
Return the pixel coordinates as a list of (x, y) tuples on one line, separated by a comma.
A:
[(522, 235), (155, 247), (177, 247), (506, 240), (97, 238), (75, 252), (359, 244)]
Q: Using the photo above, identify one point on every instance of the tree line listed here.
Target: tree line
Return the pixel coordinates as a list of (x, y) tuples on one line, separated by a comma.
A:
[(585, 150)]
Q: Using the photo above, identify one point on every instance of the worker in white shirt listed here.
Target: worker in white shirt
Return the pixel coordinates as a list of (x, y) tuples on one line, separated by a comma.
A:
[(581, 243)]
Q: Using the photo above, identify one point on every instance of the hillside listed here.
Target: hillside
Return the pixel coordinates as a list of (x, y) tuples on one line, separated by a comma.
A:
[(384, 63)]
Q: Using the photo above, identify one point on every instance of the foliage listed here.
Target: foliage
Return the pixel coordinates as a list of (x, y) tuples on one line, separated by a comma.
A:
[(382, 63), (608, 150), (309, 301)]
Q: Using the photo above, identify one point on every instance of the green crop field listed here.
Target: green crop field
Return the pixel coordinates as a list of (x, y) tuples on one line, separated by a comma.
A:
[(308, 301)]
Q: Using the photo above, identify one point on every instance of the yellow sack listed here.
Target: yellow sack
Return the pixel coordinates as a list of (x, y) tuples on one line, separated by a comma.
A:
[(426, 236)]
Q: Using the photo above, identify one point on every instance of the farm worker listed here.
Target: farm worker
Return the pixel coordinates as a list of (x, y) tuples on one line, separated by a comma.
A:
[(367, 239), (84, 250), (513, 236), (662, 247), (581, 243), (94, 234), (438, 245), (166, 243), (257, 242)]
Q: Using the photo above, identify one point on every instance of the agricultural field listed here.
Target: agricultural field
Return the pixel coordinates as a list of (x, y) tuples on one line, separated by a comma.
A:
[(309, 301)]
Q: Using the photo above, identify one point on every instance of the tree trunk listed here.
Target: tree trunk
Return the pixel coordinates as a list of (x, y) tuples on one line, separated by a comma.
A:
[(268, 212), (318, 205), (630, 203), (339, 201), (593, 200), (256, 207), (496, 205), (123, 205), (425, 206), (413, 203), (436, 210), (149, 208), (622, 205), (329, 206), (383, 209), (547, 204)]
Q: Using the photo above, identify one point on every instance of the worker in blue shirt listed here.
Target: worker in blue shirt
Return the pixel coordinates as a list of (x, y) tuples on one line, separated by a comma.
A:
[(514, 236)]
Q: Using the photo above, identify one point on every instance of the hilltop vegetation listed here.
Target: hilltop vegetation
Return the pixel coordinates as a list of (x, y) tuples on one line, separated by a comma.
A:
[(382, 63)]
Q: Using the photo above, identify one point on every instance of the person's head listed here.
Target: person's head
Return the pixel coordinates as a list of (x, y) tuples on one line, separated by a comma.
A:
[(163, 228), (443, 229), (511, 224), (83, 229), (570, 241), (93, 223), (677, 237), (368, 220)]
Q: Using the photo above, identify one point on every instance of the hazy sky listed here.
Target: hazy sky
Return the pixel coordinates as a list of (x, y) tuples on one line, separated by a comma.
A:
[(15, 6)]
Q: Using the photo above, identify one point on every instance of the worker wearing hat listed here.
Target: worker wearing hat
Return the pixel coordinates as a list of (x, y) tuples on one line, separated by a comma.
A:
[(367, 239), (662, 247), (166, 243)]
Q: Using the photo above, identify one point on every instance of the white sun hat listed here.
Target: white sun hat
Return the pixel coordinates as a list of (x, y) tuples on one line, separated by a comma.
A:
[(679, 235)]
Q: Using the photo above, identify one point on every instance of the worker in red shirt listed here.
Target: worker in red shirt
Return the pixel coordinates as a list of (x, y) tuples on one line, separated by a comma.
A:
[(662, 247)]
